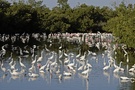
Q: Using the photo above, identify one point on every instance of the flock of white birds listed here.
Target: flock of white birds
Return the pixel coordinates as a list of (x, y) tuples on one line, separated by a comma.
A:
[(61, 63)]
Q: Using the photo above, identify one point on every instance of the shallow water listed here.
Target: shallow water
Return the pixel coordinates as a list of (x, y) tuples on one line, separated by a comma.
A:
[(97, 77)]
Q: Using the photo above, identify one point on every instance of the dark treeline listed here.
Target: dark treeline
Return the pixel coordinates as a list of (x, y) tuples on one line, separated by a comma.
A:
[(33, 16)]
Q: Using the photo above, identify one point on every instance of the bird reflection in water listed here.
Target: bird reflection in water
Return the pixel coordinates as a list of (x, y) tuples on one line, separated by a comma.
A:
[(106, 73), (51, 59), (32, 78), (14, 77)]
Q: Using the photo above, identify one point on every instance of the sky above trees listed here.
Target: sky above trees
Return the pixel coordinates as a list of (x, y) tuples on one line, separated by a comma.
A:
[(74, 3)]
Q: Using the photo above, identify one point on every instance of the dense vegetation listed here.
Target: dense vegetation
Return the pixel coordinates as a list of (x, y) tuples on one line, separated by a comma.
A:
[(123, 24), (33, 16)]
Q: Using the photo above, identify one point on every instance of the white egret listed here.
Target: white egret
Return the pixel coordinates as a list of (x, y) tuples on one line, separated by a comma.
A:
[(78, 55), (34, 75), (3, 68), (60, 54), (10, 56), (60, 76), (46, 48), (126, 79), (48, 67), (118, 68), (121, 69), (132, 69), (127, 59), (41, 71), (107, 67), (133, 66), (14, 73), (84, 76), (11, 62), (3, 51), (124, 50), (81, 67), (67, 73), (41, 57), (53, 63), (65, 53), (82, 58), (71, 68), (43, 67), (85, 72), (13, 66), (58, 71), (66, 60), (93, 53), (32, 68), (72, 64), (52, 56), (22, 65), (60, 47), (20, 52), (114, 64), (35, 59), (88, 64)]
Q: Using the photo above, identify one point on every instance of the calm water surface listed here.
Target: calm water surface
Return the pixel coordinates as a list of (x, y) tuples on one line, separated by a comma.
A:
[(97, 78)]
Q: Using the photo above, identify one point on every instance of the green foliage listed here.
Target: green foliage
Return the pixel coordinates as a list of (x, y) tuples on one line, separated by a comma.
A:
[(58, 22), (33, 16), (63, 4), (123, 24), (82, 18)]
